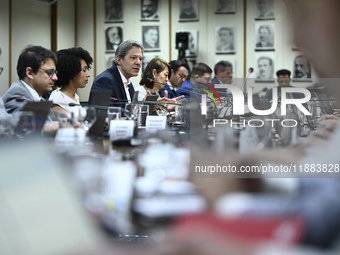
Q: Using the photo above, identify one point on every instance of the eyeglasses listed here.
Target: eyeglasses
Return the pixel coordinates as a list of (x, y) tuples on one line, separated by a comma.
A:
[(181, 75), (50, 72), (208, 79)]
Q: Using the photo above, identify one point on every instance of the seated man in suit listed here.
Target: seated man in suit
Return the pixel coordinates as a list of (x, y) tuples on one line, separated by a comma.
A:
[(127, 63), (223, 74), (37, 72), (200, 75), (179, 72)]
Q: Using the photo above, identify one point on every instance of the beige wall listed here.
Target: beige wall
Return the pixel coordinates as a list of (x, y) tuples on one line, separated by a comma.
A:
[(4, 45), (31, 24)]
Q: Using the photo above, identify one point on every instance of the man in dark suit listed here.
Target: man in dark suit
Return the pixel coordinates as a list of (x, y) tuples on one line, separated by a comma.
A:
[(179, 73), (223, 74), (36, 69), (127, 63)]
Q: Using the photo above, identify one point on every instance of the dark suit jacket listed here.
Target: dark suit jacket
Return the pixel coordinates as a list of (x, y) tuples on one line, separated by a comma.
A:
[(110, 79), (171, 93)]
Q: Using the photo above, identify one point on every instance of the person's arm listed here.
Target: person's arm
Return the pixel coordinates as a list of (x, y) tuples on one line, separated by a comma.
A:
[(56, 108)]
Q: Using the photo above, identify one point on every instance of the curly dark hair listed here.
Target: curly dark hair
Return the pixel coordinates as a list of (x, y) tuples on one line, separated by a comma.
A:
[(69, 66)]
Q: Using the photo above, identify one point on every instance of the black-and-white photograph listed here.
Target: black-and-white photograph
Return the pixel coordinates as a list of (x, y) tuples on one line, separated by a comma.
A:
[(149, 10), (113, 10), (264, 9), (264, 34), (265, 67), (114, 37), (302, 70), (146, 60), (150, 38), (109, 61), (225, 6), (225, 40), (188, 10)]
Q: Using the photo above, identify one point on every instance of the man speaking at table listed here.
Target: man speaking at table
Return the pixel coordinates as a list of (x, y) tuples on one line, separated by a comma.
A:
[(127, 63)]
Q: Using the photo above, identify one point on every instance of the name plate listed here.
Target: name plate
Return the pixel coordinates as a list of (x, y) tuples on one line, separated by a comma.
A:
[(154, 123), (121, 129)]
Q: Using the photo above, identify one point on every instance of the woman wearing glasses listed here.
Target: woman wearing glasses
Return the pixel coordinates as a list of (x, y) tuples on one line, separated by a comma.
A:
[(73, 73)]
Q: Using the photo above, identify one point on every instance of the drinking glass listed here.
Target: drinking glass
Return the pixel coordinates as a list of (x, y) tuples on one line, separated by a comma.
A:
[(66, 119), (143, 113), (161, 109), (178, 115), (131, 111), (87, 116), (113, 113)]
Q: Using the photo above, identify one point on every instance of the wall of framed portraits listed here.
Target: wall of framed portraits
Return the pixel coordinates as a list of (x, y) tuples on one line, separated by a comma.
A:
[(248, 33)]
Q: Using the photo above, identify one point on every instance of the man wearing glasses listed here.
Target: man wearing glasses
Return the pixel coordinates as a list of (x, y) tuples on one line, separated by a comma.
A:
[(179, 73), (200, 76), (37, 73)]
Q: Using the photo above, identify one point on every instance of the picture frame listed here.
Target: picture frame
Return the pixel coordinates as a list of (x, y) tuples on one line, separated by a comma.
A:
[(114, 11), (225, 6), (113, 38), (264, 10), (302, 69), (265, 67), (188, 10), (225, 40), (149, 10), (264, 36), (109, 60), (150, 38)]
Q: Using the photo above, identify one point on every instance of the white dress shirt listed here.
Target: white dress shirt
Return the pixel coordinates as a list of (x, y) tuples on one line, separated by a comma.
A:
[(126, 85)]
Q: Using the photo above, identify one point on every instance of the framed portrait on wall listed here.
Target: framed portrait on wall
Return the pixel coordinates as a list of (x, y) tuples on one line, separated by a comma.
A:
[(150, 38), (265, 67), (264, 36), (109, 60), (113, 11), (225, 40), (225, 6), (265, 9), (146, 60), (188, 10), (149, 10), (192, 43), (113, 37), (302, 69)]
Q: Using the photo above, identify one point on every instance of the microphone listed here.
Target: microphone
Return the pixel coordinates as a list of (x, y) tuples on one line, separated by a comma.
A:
[(250, 71), (73, 104), (151, 80), (20, 99), (113, 99)]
